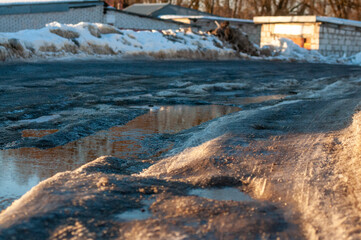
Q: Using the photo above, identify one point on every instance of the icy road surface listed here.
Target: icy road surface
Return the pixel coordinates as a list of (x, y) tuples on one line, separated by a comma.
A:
[(202, 150)]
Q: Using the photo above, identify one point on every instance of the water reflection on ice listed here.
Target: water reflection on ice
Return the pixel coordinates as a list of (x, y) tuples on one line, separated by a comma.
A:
[(221, 194), (21, 169)]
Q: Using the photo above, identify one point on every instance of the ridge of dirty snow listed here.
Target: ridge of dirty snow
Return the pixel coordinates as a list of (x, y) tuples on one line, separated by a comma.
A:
[(96, 201)]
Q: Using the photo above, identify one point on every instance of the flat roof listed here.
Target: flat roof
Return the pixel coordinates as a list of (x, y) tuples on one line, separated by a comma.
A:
[(10, 7), (157, 9), (305, 19), (145, 8), (213, 18), (148, 17), (23, 2)]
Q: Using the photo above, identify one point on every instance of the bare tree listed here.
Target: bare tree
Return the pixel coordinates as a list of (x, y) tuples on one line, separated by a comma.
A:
[(247, 9)]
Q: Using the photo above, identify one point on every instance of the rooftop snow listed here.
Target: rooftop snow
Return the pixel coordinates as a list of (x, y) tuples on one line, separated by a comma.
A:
[(306, 19), (213, 18)]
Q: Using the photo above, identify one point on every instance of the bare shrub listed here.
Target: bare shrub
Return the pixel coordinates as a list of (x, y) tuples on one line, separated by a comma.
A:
[(65, 33), (236, 38)]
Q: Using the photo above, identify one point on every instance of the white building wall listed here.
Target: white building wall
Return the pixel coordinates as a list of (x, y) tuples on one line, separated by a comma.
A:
[(17, 22)]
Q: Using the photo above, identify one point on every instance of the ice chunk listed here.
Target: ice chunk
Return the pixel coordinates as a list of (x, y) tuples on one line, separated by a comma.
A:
[(41, 119)]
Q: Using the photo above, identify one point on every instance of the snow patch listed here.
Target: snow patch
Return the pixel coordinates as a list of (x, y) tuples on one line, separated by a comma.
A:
[(287, 50)]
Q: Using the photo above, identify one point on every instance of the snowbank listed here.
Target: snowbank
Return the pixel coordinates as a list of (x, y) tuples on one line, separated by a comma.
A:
[(84, 39)]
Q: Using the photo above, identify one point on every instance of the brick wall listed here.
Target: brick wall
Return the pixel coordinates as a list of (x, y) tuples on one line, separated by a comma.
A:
[(339, 40), (17, 22), (124, 20)]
